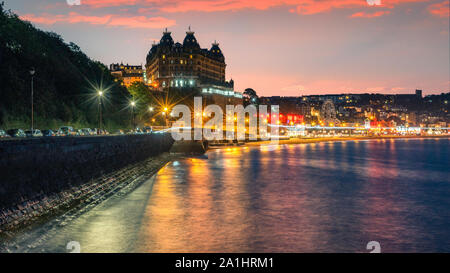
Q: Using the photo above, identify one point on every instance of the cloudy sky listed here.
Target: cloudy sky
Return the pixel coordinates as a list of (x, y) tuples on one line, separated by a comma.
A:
[(277, 47)]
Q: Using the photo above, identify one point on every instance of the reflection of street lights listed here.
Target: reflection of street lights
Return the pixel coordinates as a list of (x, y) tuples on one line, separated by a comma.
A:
[(132, 104), (100, 95), (32, 72)]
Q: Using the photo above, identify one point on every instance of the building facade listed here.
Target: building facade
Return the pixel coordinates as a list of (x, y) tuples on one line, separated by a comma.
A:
[(187, 65), (128, 74), (172, 64)]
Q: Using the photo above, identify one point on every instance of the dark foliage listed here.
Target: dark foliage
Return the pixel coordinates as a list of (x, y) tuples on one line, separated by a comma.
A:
[(64, 94)]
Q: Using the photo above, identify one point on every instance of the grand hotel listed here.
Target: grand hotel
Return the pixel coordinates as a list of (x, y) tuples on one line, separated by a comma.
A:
[(187, 65), (179, 65)]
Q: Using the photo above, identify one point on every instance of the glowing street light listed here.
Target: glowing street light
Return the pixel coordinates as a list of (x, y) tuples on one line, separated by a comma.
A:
[(132, 104), (32, 72), (100, 95)]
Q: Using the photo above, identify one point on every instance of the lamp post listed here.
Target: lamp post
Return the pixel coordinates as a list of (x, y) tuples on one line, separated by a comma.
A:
[(32, 72), (132, 104), (165, 113), (100, 95)]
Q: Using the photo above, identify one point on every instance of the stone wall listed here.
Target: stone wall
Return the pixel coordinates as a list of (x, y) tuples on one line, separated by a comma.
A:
[(30, 168)]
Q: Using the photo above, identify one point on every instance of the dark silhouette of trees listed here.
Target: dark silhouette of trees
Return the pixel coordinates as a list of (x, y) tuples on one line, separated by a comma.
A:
[(64, 83), (250, 96)]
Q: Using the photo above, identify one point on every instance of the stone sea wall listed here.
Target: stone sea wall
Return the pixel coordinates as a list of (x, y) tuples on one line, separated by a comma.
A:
[(46, 173)]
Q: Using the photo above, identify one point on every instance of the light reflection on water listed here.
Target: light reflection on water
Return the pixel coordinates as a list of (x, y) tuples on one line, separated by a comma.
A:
[(318, 197), (323, 197)]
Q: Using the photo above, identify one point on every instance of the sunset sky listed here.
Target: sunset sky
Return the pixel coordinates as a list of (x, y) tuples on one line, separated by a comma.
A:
[(285, 47)]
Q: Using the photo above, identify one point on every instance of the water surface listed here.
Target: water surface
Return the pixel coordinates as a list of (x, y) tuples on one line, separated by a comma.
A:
[(318, 197)]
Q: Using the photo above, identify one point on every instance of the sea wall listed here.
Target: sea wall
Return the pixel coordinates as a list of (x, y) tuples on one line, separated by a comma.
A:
[(189, 147), (31, 169)]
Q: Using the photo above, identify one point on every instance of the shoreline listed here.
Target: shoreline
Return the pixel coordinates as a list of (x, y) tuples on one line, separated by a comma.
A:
[(70, 204), (335, 139), (295, 141)]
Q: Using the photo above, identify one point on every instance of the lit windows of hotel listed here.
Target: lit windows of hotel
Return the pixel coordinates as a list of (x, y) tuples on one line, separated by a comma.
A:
[(172, 64), (128, 74)]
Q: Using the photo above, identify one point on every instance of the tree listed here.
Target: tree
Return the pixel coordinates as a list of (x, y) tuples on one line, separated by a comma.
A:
[(250, 96), (63, 82)]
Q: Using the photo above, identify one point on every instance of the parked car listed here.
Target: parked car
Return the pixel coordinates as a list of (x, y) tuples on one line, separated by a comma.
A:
[(16, 133), (120, 132), (34, 133), (87, 132), (147, 129), (3, 134), (48, 133), (66, 131), (101, 132), (138, 131)]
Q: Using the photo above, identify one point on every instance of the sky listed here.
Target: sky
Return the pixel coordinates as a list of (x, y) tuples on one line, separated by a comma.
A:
[(284, 47)]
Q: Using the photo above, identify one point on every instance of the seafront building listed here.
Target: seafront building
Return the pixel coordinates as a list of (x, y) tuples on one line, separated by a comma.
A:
[(127, 74), (187, 65)]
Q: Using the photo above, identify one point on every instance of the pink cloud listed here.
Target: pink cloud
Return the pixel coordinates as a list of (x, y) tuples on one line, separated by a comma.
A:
[(108, 20), (440, 9), (307, 7), (298, 6), (109, 3), (219, 5), (369, 15)]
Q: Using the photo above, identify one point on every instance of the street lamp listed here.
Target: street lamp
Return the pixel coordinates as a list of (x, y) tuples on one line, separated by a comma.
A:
[(100, 95), (132, 104), (164, 113), (32, 72)]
